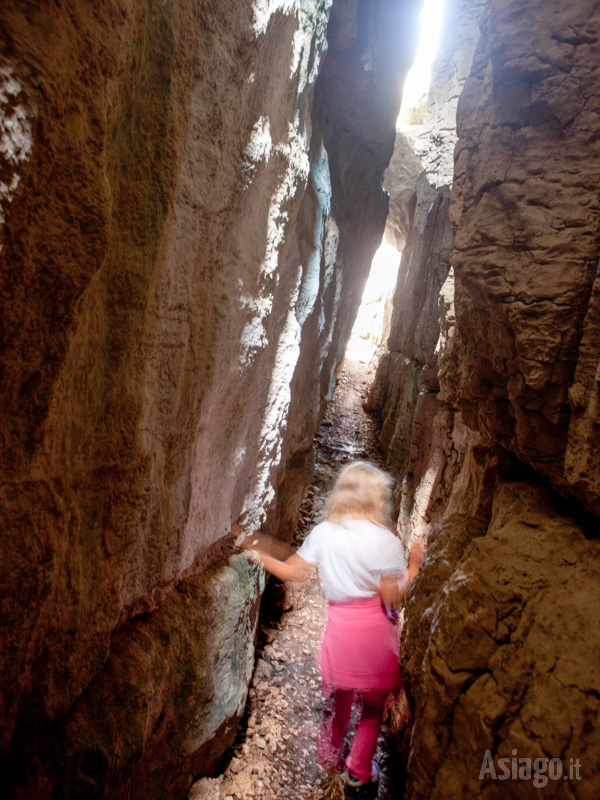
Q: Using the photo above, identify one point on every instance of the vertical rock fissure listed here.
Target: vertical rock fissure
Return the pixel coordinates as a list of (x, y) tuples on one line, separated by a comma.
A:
[(191, 194)]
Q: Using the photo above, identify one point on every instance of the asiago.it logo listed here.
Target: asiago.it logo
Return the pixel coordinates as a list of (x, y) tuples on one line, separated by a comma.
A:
[(537, 770)]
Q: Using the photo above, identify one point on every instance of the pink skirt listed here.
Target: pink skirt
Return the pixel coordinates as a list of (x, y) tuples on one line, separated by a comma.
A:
[(360, 647)]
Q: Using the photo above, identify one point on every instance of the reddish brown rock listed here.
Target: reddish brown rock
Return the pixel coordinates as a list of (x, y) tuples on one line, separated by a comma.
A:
[(422, 437), (525, 208), (582, 457), (500, 643), (166, 701), (185, 233), (501, 637)]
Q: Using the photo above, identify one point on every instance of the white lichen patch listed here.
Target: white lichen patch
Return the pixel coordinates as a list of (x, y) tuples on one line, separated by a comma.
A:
[(16, 140), (260, 144), (235, 590), (264, 9), (275, 418), (312, 27)]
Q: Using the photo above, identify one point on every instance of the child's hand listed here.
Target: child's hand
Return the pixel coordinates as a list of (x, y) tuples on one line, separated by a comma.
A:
[(415, 557), (392, 590)]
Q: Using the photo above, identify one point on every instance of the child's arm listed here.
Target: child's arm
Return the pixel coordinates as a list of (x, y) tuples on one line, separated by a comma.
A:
[(415, 559), (294, 568), (393, 589)]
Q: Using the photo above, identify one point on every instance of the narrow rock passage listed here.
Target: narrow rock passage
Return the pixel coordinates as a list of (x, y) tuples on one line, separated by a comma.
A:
[(275, 752)]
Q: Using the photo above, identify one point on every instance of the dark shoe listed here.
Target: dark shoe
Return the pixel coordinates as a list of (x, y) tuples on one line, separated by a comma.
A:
[(357, 790)]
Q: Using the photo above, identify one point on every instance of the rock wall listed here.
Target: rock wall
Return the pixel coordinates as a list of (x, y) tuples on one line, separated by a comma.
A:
[(188, 215), (422, 435), (498, 417), (401, 183), (525, 208), (501, 643), (370, 45)]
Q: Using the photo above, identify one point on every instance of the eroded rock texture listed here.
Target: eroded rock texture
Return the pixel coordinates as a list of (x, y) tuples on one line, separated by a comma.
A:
[(526, 253), (501, 642), (423, 437), (185, 235), (401, 184), (509, 602)]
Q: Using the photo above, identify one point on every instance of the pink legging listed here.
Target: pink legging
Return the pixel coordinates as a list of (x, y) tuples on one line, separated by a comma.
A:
[(334, 724)]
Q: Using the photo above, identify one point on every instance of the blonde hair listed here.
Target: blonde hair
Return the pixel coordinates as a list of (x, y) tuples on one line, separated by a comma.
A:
[(362, 491)]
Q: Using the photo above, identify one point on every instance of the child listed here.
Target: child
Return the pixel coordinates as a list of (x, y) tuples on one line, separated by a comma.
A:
[(359, 561)]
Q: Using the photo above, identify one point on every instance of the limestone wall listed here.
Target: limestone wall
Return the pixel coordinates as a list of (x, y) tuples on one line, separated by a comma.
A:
[(423, 436), (492, 431), (188, 214), (500, 648), (525, 207)]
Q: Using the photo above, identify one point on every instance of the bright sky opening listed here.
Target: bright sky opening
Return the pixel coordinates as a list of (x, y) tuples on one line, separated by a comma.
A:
[(368, 332), (419, 77)]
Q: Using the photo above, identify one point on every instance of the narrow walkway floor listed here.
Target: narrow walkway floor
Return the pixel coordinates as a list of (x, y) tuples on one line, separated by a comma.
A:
[(275, 752)]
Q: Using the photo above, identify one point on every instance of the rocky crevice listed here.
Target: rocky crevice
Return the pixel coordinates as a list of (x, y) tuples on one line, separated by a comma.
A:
[(423, 436), (190, 199)]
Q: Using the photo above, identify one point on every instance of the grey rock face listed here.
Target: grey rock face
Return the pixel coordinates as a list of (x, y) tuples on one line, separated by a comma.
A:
[(451, 68), (401, 184)]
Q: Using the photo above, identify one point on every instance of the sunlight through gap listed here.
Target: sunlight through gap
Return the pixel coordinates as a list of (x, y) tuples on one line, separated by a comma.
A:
[(373, 319)]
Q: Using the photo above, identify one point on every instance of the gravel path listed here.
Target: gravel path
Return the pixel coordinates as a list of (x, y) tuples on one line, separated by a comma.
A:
[(274, 755)]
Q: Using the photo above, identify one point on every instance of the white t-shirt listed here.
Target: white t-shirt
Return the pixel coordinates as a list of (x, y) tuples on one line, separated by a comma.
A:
[(351, 557)]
